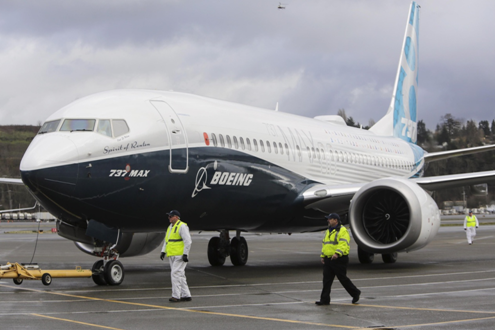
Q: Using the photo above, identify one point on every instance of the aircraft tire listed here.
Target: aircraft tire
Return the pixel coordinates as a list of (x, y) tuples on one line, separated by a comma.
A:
[(114, 272), (46, 279), (238, 251), (365, 257), (389, 258), (18, 281), (98, 273), (215, 257)]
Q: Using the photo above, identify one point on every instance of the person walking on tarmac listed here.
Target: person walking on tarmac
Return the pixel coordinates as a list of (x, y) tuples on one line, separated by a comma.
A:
[(335, 258), (470, 225), (176, 247)]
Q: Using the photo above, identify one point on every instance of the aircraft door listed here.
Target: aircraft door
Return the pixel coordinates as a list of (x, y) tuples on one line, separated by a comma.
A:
[(179, 155)]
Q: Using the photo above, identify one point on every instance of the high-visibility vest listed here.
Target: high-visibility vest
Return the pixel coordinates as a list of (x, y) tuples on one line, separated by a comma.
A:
[(175, 243), (471, 221), (336, 242)]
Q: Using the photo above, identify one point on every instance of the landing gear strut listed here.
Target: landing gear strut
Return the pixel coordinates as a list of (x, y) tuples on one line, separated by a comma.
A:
[(219, 248)]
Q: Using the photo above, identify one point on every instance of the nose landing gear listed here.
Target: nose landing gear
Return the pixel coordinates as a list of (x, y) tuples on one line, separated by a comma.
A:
[(108, 271)]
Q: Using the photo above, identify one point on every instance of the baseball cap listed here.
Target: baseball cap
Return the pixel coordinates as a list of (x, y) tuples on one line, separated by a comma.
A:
[(333, 216), (174, 212)]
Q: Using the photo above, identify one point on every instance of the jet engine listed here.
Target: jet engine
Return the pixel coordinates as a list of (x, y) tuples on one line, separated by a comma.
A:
[(130, 244), (393, 215)]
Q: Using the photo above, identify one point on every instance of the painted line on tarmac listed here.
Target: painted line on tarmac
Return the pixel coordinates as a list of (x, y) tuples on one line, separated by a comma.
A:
[(384, 279), (72, 321), (442, 323), (260, 318)]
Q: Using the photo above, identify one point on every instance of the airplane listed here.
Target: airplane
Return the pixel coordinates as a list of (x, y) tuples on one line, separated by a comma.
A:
[(110, 165)]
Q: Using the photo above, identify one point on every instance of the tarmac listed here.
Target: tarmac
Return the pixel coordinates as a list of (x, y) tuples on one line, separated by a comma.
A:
[(446, 285)]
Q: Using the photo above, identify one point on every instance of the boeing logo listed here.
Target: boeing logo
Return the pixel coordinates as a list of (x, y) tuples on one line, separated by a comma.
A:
[(220, 179)]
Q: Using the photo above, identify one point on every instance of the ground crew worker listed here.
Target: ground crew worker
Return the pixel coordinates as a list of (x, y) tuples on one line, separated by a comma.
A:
[(470, 225), (176, 246), (335, 257)]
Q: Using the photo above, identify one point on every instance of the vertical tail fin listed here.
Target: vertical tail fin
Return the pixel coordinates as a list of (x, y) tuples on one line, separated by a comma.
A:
[(401, 118)]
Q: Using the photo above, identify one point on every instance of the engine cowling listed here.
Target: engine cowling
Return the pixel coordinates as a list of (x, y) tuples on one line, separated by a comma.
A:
[(130, 244), (393, 215)]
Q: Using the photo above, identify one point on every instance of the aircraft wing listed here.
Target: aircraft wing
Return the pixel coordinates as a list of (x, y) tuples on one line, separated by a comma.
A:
[(440, 155), (11, 181), (326, 198), (454, 180)]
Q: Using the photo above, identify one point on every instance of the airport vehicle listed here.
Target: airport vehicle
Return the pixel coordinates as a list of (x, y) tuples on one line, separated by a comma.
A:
[(110, 165), (20, 272)]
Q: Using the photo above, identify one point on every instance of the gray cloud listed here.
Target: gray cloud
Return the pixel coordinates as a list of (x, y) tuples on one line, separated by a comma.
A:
[(314, 57)]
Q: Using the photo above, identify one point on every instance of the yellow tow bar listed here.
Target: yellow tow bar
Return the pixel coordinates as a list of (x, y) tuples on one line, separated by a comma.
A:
[(19, 273)]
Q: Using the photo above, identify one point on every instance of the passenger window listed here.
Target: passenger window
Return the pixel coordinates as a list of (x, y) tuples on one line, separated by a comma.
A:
[(49, 126), (241, 140), (255, 143), (222, 141), (299, 153), (275, 147), (214, 139), (236, 144), (229, 141), (248, 144), (82, 125), (287, 149), (309, 153), (268, 148), (281, 148), (119, 127), (104, 127), (262, 146)]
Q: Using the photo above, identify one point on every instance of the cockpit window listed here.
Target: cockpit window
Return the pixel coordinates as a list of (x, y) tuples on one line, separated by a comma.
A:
[(119, 127), (49, 126), (104, 127), (85, 125)]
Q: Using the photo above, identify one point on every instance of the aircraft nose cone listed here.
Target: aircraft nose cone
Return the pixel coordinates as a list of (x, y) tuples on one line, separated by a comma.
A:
[(48, 151), (49, 169)]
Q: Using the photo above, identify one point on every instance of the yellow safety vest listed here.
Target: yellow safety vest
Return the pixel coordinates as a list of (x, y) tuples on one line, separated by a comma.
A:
[(336, 242), (175, 243), (471, 221)]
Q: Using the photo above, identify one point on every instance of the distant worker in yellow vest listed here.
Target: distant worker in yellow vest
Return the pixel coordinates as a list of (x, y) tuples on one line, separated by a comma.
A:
[(335, 258), (470, 225), (176, 247)]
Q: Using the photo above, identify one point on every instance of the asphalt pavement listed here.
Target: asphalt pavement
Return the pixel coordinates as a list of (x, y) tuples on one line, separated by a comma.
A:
[(446, 285)]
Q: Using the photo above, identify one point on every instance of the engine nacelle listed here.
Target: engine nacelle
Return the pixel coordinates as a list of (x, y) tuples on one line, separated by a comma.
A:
[(130, 244), (393, 215)]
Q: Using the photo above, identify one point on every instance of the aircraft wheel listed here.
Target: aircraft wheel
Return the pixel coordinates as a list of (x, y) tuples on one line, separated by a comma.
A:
[(46, 279), (238, 251), (18, 281), (215, 256), (98, 273), (114, 272), (389, 258), (365, 257)]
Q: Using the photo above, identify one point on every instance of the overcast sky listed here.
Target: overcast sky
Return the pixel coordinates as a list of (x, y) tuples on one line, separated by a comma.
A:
[(314, 57)]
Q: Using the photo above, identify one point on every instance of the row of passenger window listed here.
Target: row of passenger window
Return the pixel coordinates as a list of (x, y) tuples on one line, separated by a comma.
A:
[(108, 127), (313, 153)]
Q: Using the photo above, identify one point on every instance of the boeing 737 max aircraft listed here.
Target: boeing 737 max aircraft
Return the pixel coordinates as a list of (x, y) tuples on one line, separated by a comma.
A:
[(109, 166)]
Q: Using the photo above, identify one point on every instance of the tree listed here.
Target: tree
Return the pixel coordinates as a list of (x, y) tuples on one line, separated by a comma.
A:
[(485, 126), (472, 134), (423, 133), (342, 114)]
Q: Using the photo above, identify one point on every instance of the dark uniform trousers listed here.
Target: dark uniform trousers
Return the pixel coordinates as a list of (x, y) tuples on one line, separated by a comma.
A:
[(332, 268)]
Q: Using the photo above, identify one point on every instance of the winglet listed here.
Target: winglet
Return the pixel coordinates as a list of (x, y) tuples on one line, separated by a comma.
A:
[(401, 118)]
